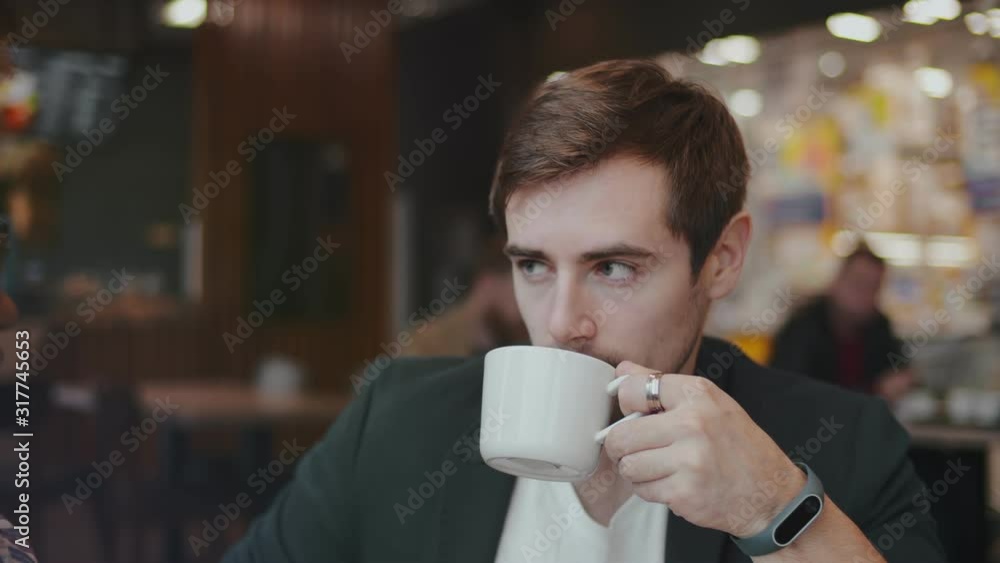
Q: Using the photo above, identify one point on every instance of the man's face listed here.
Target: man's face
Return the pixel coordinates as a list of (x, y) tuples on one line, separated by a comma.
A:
[(856, 289), (597, 271)]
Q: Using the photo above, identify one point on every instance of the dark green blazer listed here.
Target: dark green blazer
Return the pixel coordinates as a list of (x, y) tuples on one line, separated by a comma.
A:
[(398, 477)]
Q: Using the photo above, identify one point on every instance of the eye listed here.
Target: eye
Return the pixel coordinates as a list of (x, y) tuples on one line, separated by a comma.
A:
[(616, 271), (531, 268)]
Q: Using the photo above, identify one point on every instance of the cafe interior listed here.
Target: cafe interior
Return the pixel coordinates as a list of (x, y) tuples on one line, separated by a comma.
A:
[(224, 215)]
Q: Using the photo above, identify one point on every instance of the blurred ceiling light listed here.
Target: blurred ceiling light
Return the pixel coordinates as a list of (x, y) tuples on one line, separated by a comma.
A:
[(832, 64), (712, 55), (746, 102), (935, 82), (926, 12), (555, 76), (741, 49), (943, 9), (994, 16), (855, 27), (920, 18), (898, 249), (906, 249), (977, 23), (184, 13), (951, 251)]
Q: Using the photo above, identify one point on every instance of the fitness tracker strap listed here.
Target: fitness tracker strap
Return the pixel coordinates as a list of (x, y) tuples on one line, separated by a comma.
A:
[(790, 522)]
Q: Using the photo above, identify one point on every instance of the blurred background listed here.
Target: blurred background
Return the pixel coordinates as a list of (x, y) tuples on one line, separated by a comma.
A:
[(227, 217)]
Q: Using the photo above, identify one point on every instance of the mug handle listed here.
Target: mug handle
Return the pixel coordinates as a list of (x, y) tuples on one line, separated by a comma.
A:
[(612, 390)]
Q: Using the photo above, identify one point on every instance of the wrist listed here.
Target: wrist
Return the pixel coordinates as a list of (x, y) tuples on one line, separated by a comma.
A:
[(784, 486)]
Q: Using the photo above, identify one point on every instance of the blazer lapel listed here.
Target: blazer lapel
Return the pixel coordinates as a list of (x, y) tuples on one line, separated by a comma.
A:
[(687, 543), (473, 507)]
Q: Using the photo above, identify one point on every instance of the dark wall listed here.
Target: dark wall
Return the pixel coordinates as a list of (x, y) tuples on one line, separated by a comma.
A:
[(133, 179), (440, 63)]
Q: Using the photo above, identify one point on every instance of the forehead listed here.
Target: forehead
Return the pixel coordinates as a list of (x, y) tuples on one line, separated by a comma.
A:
[(620, 200)]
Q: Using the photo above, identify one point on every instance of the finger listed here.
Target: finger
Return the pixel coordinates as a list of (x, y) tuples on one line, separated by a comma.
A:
[(603, 434), (675, 390), (637, 375), (649, 432), (648, 465), (631, 368)]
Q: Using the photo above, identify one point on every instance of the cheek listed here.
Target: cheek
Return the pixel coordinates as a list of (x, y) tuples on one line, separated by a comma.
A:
[(650, 307)]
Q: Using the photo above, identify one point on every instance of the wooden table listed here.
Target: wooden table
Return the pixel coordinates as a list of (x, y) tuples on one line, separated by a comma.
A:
[(977, 448), (195, 405), (236, 403), (947, 435)]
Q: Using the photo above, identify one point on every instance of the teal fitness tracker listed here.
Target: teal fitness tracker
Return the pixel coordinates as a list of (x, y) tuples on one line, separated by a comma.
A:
[(790, 522)]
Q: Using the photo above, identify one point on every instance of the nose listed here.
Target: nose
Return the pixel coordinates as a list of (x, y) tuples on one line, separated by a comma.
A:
[(570, 322)]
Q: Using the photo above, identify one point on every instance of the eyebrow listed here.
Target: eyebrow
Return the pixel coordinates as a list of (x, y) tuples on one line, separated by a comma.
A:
[(612, 251)]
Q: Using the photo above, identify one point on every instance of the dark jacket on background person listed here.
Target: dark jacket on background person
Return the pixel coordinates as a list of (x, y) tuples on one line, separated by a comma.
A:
[(353, 495), (806, 344)]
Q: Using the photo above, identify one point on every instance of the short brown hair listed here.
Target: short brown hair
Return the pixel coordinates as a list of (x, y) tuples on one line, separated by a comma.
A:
[(634, 108)]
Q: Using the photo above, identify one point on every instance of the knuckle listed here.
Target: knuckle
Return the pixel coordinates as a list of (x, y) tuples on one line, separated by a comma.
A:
[(616, 443), (657, 492), (627, 468), (694, 424)]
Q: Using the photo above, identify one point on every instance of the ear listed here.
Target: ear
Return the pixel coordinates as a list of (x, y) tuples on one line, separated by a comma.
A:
[(723, 265)]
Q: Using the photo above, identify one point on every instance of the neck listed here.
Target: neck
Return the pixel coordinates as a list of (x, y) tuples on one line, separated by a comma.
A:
[(842, 324), (604, 492)]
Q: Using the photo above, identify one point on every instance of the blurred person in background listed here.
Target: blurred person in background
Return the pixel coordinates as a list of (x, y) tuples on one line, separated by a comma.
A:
[(842, 337), (486, 317)]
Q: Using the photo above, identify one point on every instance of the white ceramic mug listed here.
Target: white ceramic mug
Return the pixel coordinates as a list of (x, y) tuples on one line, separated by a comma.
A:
[(554, 405)]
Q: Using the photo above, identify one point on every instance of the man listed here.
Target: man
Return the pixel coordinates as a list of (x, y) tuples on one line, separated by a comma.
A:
[(621, 191), (843, 338), (486, 318)]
